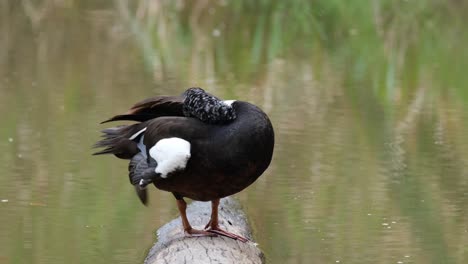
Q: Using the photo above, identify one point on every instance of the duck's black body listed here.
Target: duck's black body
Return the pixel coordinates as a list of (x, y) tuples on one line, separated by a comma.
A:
[(225, 158), (231, 145)]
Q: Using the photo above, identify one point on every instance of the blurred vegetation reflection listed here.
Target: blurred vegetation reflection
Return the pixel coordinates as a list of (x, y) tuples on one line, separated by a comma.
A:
[(368, 98)]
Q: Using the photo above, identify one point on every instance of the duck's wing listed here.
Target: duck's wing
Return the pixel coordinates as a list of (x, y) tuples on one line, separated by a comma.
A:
[(137, 171), (151, 108)]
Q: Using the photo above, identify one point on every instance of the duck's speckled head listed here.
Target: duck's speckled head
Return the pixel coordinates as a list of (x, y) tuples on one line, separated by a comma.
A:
[(206, 107)]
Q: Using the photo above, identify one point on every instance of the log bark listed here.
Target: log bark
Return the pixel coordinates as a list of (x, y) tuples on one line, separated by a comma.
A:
[(173, 246)]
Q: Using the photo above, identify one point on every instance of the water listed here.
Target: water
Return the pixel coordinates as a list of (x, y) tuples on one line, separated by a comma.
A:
[(370, 164)]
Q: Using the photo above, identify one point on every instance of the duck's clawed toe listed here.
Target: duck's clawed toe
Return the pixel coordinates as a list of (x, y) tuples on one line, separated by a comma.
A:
[(199, 233), (221, 232)]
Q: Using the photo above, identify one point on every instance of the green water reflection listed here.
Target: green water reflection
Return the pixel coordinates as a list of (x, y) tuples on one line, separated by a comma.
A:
[(368, 99)]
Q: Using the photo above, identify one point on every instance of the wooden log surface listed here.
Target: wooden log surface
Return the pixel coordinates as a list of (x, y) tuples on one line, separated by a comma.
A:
[(173, 246)]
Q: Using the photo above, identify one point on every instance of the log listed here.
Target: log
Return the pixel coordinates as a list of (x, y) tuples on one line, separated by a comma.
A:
[(173, 246)]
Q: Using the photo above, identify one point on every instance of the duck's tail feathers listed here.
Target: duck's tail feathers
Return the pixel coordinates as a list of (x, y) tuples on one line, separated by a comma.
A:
[(118, 141)]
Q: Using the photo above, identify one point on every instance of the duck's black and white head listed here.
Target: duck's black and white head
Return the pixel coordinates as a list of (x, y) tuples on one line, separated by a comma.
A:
[(206, 107)]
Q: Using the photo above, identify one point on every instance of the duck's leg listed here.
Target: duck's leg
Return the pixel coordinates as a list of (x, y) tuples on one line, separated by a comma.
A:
[(213, 225), (182, 205)]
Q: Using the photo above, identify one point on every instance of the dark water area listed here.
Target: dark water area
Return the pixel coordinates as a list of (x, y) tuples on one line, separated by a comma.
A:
[(370, 109)]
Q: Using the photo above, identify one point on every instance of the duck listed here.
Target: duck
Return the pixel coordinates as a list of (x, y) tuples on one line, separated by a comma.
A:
[(194, 146)]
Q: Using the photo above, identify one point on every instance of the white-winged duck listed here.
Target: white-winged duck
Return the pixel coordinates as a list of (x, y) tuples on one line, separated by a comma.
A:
[(195, 146)]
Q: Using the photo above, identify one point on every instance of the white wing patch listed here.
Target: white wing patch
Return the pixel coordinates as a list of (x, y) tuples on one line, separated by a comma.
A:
[(171, 154)]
